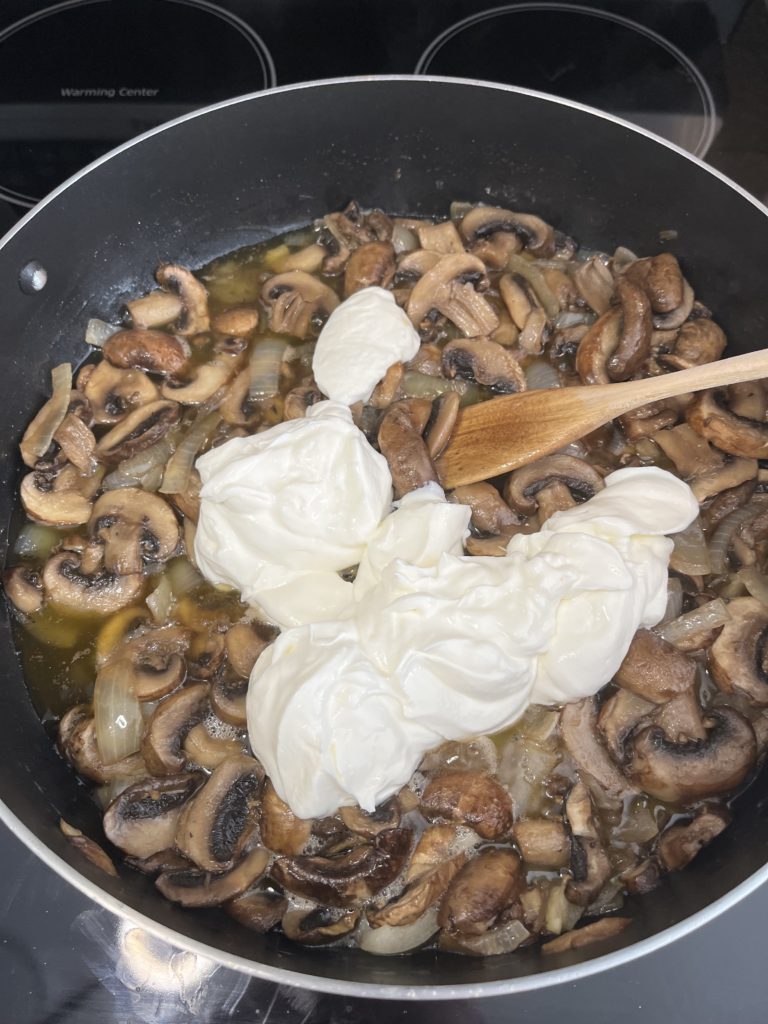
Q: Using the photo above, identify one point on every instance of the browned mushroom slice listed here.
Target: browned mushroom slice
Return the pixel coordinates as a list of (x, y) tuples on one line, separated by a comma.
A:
[(135, 528), (258, 910), (597, 931), (100, 593), (697, 342), (438, 844), (218, 822), (156, 309), (387, 815), (589, 865), (208, 380), (371, 264), (244, 645), (156, 658), (450, 287), (543, 842), (193, 888), (207, 751), (419, 894), (296, 301), (680, 772), (157, 863), (388, 387), (595, 283), (643, 877), (349, 879), (481, 890), (401, 444), (618, 718), (236, 322), (596, 348), (738, 659), (143, 819), (320, 926), (77, 443), (57, 496), (484, 222), (646, 420), (166, 730), (77, 742), (679, 844), (654, 669), (281, 830), (206, 655), (634, 345), (112, 392), (138, 430), (692, 454), (525, 486), (682, 718), (154, 351), (662, 278), (676, 317), (228, 699), (299, 400), (413, 265), (490, 513), (730, 433), (469, 798), (442, 238), (485, 362), (578, 727), (194, 298), (88, 848), (24, 589), (505, 937), (516, 297)]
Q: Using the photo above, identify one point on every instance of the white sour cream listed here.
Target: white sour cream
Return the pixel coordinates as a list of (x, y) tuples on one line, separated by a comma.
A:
[(284, 511), (361, 339), (449, 646)]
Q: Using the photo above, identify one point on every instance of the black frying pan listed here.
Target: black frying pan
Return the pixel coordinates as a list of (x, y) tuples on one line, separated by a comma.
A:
[(243, 171)]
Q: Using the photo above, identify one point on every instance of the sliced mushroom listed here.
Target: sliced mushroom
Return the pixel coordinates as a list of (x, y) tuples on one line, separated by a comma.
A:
[(516, 297), (697, 342), (596, 348), (738, 659), (642, 878), (450, 287), (138, 430), (157, 863), (299, 400), (192, 888), (156, 657), (208, 381), (442, 238), (595, 283), (388, 387), (490, 513), (167, 729), (543, 842), (419, 895), (438, 844), (524, 485), (729, 432), (662, 278), (228, 699), (143, 819), (654, 669), (207, 751), (206, 654), (371, 264), (99, 593), (481, 890), (194, 298), (618, 718), (112, 392), (401, 444), (484, 222), (634, 345), (469, 798), (679, 844), (237, 321), (349, 879), (578, 728), (413, 265), (142, 349), (218, 822), (57, 496), (485, 362), (156, 309), (505, 937), (597, 931), (725, 502), (77, 742), (682, 718), (88, 848), (244, 645), (77, 443), (296, 301), (320, 926), (680, 772), (646, 420), (590, 867), (281, 830), (387, 815), (676, 317), (24, 589), (135, 527), (258, 910)]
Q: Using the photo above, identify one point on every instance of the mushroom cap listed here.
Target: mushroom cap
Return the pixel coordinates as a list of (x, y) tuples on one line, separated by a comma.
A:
[(294, 299), (99, 593), (135, 526), (194, 298), (738, 659), (319, 926), (113, 392), (228, 699), (654, 669), (402, 445), (151, 350), (469, 798), (734, 434), (54, 503), (258, 910), (435, 288), (481, 222), (680, 772), (481, 890), (522, 486), (419, 895), (634, 345), (484, 361), (281, 830), (490, 513), (697, 342), (371, 264), (143, 819)]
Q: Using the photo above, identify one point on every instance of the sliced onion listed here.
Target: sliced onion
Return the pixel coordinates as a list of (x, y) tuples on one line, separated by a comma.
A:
[(690, 554), (389, 940), (266, 360), (622, 259), (755, 581), (526, 269), (723, 536), (35, 541), (180, 464), (540, 374), (99, 331), (403, 239), (117, 713), (160, 600), (183, 576), (699, 620), (423, 385), (573, 318), (136, 471), (674, 599), (39, 434)]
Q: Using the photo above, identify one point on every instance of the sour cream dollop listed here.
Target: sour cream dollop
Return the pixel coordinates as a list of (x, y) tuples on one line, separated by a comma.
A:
[(455, 646), (284, 511), (361, 339)]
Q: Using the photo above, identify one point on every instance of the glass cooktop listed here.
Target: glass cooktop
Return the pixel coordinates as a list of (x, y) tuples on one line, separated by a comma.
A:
[(80, 76)]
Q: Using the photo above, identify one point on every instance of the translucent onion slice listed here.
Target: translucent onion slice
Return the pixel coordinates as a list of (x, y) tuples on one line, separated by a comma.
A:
[(117, 714), (389, 940), (180, 464), (160, 601), (699, 620), (540, 374), (690, 554), (574, 318), (39, 433), (755, 581), (403, 239), (98, 331), (723, 536), (35, 541), (674, 600), (526, 269), (266, 360), (139, 469), (183, 576)]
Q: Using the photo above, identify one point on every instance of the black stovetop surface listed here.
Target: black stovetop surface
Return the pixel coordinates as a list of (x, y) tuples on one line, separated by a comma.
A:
[(78, 77)]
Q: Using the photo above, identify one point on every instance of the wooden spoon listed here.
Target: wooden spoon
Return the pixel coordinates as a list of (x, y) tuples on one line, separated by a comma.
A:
[(499, 435)]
